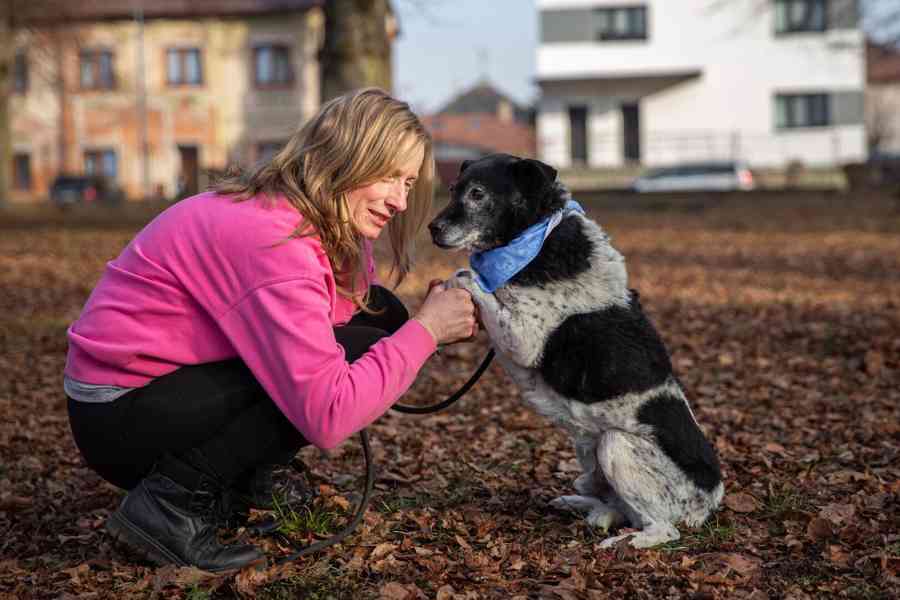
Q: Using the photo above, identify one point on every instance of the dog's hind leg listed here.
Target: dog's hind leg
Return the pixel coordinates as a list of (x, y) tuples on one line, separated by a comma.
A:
[(599, 513), (649, 488), (591, 482)]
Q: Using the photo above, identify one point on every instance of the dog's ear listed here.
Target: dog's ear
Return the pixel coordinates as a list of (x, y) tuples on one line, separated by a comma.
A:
[(464, 165), (532, 175)]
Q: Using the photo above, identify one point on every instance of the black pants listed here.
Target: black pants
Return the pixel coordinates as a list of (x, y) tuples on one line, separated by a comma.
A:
[(218, 409)]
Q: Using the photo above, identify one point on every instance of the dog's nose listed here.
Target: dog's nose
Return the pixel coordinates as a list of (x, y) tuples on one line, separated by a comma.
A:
[(435, 228)]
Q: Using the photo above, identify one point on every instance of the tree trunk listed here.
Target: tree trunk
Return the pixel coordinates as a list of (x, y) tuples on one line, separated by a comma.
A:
[(357, 48), (6, 85)]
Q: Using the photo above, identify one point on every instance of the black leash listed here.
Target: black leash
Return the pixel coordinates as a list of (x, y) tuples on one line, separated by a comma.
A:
[(370, 467)]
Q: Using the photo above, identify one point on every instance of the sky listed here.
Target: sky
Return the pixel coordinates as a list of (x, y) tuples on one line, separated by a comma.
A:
[(446, 46)]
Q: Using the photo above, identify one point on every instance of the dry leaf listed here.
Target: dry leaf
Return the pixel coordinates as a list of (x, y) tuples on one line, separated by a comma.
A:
[(394, 591), (742, 564), (445, 592), (382, 550), (838, 514), (818, 529), (741, 502)]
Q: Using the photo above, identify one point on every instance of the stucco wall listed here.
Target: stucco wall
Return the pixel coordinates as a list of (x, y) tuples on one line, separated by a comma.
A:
[(723, 68), (225, 117)]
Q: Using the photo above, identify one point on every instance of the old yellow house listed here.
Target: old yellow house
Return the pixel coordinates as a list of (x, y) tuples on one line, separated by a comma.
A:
[(156, 99)]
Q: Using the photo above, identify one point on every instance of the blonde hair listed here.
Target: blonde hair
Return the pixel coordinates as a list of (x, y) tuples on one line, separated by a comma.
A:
[(354, 140)]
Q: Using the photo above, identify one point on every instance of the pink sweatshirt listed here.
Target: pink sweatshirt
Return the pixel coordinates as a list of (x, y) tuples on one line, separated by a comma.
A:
[(212, 279)]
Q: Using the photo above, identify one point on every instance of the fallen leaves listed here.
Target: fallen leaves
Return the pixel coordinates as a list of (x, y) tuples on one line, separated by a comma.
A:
[(741, 502), (788, 344)]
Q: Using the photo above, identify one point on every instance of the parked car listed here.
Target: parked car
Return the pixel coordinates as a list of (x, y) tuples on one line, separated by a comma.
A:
[(68, 190), (711, 176)]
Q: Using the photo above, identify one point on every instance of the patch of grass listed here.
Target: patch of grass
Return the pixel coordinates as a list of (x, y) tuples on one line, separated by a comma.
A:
[(309, 519), (709, 536), (398, 503), (195, 592), (781, 503)]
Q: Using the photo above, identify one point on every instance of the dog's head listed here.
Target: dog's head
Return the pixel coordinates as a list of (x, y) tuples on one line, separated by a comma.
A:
[(493, 200)]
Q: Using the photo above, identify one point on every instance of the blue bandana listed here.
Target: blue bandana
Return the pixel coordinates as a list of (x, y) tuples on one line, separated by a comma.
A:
[(494, 267)]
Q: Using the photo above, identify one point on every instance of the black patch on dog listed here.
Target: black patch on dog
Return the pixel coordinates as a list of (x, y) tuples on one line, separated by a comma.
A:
[(564, 255), (598, 356), (680, 438)]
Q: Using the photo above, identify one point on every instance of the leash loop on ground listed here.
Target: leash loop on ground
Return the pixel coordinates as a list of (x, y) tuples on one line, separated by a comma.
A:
[(370, 467)]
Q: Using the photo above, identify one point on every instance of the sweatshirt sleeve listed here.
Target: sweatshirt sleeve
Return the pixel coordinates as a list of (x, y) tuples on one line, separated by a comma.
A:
[(284, 334)]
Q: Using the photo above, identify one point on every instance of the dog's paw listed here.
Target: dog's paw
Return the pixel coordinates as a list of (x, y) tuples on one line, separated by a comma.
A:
[(462, 279), (654, 535), (604, 518)]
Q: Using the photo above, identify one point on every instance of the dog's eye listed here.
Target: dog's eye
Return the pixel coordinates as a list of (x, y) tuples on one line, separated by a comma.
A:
[(452, 188), (476, 194)]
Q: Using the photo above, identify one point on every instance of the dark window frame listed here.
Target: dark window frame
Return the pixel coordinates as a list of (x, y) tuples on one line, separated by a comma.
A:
[(97, 155), (20, 72), (23, 179), (183, 53), (281, 79), (807, 26), (817, 109), (93, 58), (610, 35)]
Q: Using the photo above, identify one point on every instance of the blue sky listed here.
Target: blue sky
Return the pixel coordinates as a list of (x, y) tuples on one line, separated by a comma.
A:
[(448, 45)]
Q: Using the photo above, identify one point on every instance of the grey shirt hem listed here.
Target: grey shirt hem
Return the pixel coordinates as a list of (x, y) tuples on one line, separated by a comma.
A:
[(90, 392)]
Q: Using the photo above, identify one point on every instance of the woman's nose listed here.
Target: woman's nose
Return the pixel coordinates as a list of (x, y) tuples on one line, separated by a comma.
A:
[(397, 198)]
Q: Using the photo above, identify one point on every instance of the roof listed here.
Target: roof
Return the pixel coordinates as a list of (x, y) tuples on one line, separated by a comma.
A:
[(482, 131), (882, 63), (482, 98), (91, 10)]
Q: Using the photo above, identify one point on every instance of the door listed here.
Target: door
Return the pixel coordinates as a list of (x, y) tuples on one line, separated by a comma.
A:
[(578, 148), (189, 173), (631, 123)]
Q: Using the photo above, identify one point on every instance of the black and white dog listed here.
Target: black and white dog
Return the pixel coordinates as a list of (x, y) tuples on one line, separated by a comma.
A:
[(575, 340)]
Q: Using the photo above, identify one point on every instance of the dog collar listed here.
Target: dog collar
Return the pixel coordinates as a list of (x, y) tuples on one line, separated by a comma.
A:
[(494, 267)]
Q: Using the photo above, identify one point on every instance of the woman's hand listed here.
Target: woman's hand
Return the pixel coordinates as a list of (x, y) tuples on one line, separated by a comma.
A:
[(449, 315)]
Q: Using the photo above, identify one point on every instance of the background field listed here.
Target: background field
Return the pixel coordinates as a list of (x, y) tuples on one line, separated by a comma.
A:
[(781, 312)]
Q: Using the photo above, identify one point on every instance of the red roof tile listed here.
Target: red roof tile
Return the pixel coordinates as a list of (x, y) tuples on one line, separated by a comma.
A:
[(482, 131)]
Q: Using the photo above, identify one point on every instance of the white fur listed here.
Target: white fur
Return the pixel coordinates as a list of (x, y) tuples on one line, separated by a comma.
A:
[(625, 474)]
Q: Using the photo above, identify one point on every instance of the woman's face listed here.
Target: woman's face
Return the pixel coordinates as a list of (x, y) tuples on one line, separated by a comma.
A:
[(372, 206)]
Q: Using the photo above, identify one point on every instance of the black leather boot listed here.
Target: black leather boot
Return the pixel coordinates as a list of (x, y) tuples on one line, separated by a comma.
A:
[(168, 524)]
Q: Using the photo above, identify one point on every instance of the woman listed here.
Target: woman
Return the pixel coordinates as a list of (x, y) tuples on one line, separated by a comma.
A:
[(244, 323)]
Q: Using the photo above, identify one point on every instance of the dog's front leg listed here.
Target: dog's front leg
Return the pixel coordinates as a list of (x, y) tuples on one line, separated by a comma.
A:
[(497, 320)]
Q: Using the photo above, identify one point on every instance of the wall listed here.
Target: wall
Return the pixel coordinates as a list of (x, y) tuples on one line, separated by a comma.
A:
[(723, 68), (225, 117)]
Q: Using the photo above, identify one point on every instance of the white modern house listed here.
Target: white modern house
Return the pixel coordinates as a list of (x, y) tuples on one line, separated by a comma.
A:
[(658, 82)]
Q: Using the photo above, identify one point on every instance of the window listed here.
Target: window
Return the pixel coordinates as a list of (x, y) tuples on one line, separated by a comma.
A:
[(21, 172), (578, 147), (101, 162), (622, 23), (802, 110), (272, 66), (800, 15), (184, 66), (20, 73), (97, 70)]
